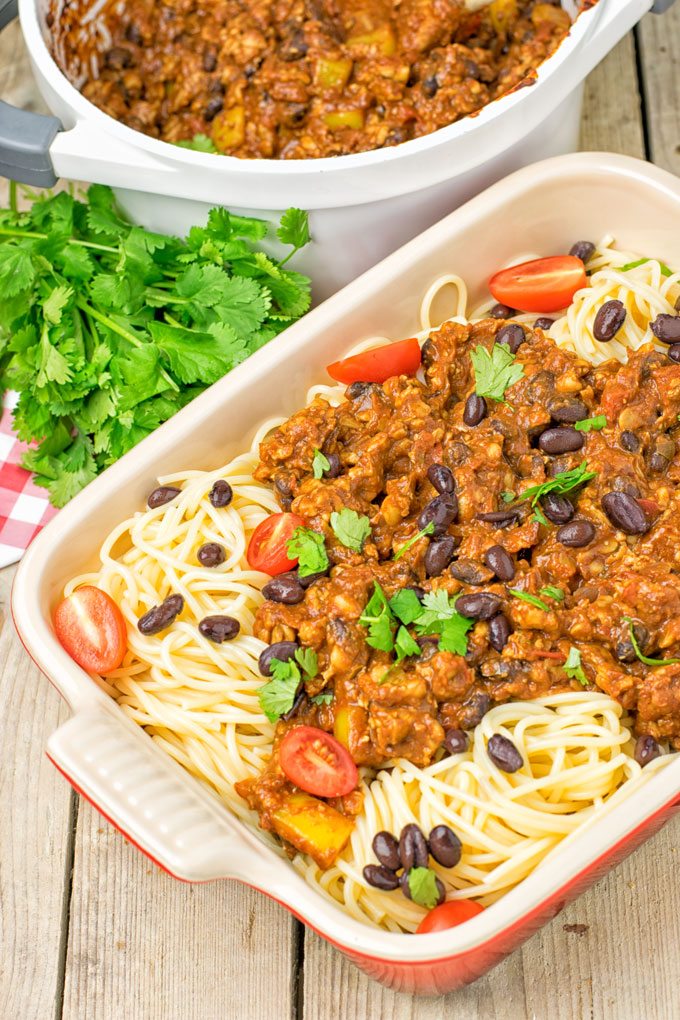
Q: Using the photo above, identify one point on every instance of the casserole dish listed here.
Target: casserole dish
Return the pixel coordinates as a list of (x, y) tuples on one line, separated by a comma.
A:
[(162, 809), (363, 205)]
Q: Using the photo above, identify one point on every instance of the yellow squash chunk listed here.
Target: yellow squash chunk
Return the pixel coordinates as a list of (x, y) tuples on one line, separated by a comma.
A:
[(333, 74), (313, 827), (344, 119), (229, 128), (349, 725), (380, 40), (503, 13)]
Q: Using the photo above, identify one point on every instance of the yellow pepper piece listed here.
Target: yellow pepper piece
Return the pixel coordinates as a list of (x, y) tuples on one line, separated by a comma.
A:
[(381, 40), (555, 15), (229, 128), (333, 74), (503, 13), (344, 119), (313, 827)]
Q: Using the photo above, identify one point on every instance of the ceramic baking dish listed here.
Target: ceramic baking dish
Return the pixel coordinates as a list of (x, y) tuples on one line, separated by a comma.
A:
[(163, 810)]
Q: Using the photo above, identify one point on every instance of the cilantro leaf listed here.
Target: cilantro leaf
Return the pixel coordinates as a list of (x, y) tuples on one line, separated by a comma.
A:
[(405, 645), (427, 530), (422, 885), (192, 356), (406, 605), (16, 271), (454, 634), (309, 549), (199, 143), (507, 496), (562, 483), (495, 372), (351, 528), (379, 619), (437, 607), (278, 695), (594, 424), (665, 271), (638, 651), (552, 592), (323, 698), (307, 659), (294, 229), (573, 668), (320, 463), (533, 600)]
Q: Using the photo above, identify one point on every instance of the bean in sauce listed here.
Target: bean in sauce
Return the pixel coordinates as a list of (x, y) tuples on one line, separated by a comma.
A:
[(500, 311), (334, 466), (609, 320), (629, 441), (625, 513), (646, 750), (441, 512), (543, 323), (161, 617), (445, 846), (666, 328), (513, 335), (284, 651), (499, 632), (386, 849), (567, 412), (556, 508), (219, 628), (478, 606), (162, 495), (438, 556), (285, 588), (475, 410), (576, 534), (469, 572), (501, 518), (560, 440), (674, 353), (413, 852), (441, 478), (456, 741), (504, 754), (498, 559)]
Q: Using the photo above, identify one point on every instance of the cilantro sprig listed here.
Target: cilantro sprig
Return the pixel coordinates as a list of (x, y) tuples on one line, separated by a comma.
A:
[(562, 483), (427, 530), (436, 614), (594, 424), (573, 668), (278, 695), (320, 463), (350, 528), (309, 549), (665, 271), (422, 885), (108, 329), (495, 371), (551, 591), (648, 661)]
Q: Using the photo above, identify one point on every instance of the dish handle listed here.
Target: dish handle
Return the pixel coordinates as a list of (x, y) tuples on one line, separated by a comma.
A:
[(157, 806)]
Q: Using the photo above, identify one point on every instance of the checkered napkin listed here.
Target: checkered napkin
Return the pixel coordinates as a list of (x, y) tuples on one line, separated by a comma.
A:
[(24, 508)]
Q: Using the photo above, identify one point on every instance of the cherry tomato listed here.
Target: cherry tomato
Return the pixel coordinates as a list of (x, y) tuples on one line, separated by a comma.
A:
[(448, 915), (317, 762), (91, 628), (544, 285), (267, 549), (377, 365)]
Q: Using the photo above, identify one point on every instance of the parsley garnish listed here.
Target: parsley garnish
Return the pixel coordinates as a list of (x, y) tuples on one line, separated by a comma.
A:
[(200, 143), (294, 230), (422, 885), (573, 668), (533, 600), (278, 695), (495, 372), (599, 421), (405, 645), (437, 607), (665, 271), (454, 634), (508, 496), (406, 605), (638, 651), (436, 615), (307, 659), (551, 592), (379, 619), (324, 698), (563, 482), (351, 528), (309, 549), (427, 530), (320, 464)]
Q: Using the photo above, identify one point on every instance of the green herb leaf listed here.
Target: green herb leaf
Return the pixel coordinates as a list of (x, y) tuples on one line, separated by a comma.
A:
[(199, 143), (533, 600), (638, 651), (278, 695), (294, 229), (320, 463), (437, 607), (573, 668), (405, 645), (422, 884), (324, 698), (378, 617), (562, 483), (307, 659), (508, 496), (406, 605), (309, 549), (495, 372), (427, 530), (599, 421), (351, 528), (665, 271), (551, 592), (454, 634)]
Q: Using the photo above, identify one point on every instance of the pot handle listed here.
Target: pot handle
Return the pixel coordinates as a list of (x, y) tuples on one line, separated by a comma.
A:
[(25, 137), (659, 6)]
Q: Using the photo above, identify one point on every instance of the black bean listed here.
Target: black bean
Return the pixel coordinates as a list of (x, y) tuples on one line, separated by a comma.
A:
[(219, 628), (469, 572), (160, 617), (295, 47), (406, 889), (583, 250), (429, 646), (479, 606), (500, 311), (358, 390), (438, 556), (674, 353), (118, 58), (441, 478), (211, 554), (666, 328), (630, 442), (501, 518), (625, 649), (430, 86), (576, 534), (625, 513), (609, 320), (209, 61), (646, 750), (334, 466), (440, 511), (475, 410), (380, 877), (445, 846), (504, 754), (413, 852), (213, 107), (456, 741), (566, 412), (386, 849), (133, 34), (501, 562), (300, 698), (557, 509), (310, 578), (499, 632), (285, 588), (562, 439), (658, 463), (285, 493), (284, 651), (426, 353), (513, 335), (162, 495), (474, 709), (221, 494), (543, 323)]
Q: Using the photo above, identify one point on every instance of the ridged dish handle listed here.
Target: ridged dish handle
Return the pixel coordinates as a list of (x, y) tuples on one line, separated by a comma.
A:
[(151, 800)]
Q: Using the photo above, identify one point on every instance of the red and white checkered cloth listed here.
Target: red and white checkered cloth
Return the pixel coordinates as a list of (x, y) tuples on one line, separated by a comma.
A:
[(24, 508)]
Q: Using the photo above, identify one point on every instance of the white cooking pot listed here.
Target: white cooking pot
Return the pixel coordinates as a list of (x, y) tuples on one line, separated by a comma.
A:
[(362, 206)]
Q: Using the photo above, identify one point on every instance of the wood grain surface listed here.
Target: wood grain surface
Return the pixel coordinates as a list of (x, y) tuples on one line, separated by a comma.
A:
[(90, 930)]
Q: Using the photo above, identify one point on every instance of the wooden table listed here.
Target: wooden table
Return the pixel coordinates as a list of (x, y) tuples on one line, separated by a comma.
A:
[(90, 930)]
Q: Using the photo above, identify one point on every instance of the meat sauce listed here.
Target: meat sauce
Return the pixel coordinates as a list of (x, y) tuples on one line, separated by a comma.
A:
[(300, 79), (386, 438)]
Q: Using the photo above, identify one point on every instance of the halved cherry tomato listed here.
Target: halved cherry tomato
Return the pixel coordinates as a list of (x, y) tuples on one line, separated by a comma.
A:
[(91, 628), (379, 364), (543, 285), (448, 915), (317, 763), (267, 549)]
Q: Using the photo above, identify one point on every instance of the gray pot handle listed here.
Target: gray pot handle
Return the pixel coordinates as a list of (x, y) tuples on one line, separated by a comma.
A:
[(25, 137), (659, 6)]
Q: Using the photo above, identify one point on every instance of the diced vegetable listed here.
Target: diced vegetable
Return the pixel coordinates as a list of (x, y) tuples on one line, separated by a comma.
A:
[(350, 722), (313, 827), (448, 915), (318, 763), (381, 40), (503, 13), (267, 549), (333, 74), (378, 364), (91, 628), (353, 119), (542, 285), (548, 13), (229, 128)]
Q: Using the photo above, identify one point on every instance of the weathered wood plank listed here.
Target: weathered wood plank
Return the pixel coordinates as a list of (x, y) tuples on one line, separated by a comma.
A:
[(144, 946), (612, 117), (659, 40), (34, 834)]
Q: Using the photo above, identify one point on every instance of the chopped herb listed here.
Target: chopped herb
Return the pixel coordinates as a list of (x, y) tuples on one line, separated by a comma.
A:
[(200, 143), (278, 695), (454, 634), (324, 698), (508, 496), (540, 516), (638, 651), (351, 528), (533, 600), (320, 464), (309, 549), (307, 660), (437, 607), (495, 372), (294, 230), (599, 421), (427, 530), (406, 605), (665, 271), (405, 645), (378, 617), (563, 482), (422, 885), (551, 592), (573, 668)]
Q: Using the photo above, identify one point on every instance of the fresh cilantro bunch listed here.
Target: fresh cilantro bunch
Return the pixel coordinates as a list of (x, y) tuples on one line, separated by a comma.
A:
[(278, 695), (107, 329)]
